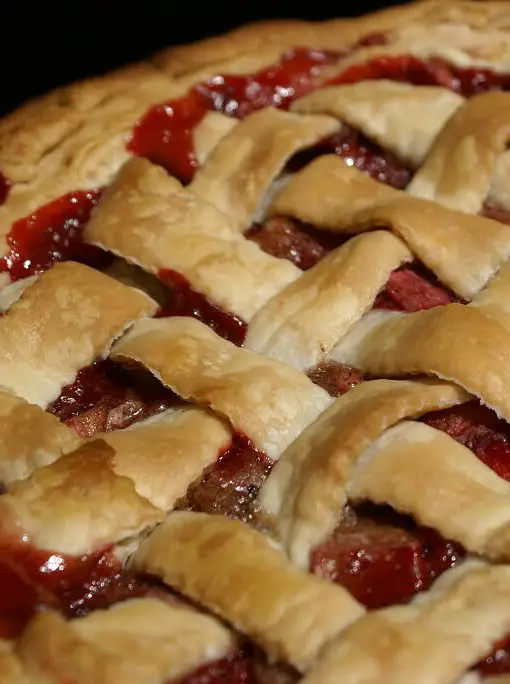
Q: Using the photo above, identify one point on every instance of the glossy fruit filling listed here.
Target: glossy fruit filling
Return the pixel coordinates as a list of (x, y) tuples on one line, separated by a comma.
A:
[(5, 186), (409, 69), (31, 579), (383, 558), (230, 486), (165, 134), (106, 396), (52, 233), (184, 301), (360, 153), (409, 288)]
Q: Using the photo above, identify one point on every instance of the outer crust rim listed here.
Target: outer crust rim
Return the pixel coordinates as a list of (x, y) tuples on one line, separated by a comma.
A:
[(184, 60)]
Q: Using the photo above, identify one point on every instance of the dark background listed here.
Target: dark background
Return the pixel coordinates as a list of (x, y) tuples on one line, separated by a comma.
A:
[(45, 44)]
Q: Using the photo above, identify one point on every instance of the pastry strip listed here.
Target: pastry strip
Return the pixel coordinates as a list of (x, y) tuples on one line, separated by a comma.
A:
[(166, 453), (463, 251), (436, 638), (139, 640), (58, 326), (149, 219), (30, 438), (243, 165), (62, 507), (387, 344), (308, 486), (302, 324), (400, 117), (473, 139), (236, 573), (267, 401)]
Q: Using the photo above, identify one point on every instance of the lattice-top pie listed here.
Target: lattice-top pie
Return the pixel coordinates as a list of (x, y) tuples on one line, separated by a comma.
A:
[(255, 361)]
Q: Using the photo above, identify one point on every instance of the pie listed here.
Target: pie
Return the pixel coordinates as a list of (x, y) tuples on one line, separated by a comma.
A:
[(255, 360)]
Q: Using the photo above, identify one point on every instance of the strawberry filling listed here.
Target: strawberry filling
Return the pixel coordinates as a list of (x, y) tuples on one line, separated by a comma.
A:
[(165, 134), (106, 396), (382, 558), (31, 579), (432, 72), (184, 301), (52, 233), (5, 186), (360, 153)]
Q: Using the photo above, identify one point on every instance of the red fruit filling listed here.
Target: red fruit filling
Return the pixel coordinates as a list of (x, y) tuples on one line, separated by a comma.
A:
[(184, 301), (5, 186), (164, 134), (52, 233), (413, 288), (409, 69), (359, 152), (106, 396), (230, 486), (31, 579), (336, 378), (382, 558)]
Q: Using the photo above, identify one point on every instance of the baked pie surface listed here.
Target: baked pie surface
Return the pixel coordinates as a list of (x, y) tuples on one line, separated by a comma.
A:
[(254, 325)]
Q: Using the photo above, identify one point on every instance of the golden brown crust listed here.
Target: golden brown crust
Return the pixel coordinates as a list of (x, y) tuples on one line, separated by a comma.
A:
[(74, 138), (301, 324), (400, 117), (111, 491), (151, 220), (386, 344), (332, 34), (165, 454), (472, 139), (267, 401), (11, 669), (464, 251), (436, 638), (61, 507), (140, 640), (237, 574), (30, 438), (240, 169), (309, 485), (58, 326), (460, 496)]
